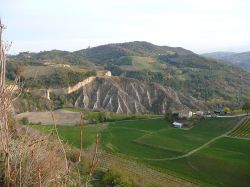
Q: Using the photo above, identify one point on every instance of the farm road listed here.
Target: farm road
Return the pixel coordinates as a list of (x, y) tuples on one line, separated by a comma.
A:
[(234, 116), (189, 153), (198, 148)]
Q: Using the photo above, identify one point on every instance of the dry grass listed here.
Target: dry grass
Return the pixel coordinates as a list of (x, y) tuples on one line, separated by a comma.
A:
[(5, 100), (35, 160)]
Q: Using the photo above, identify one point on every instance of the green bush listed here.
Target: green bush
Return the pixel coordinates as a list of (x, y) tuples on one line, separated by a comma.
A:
[(59, 78), (24, 121), (112, 178), (28, 102), (246, 107), (102, 116), (168, 116)]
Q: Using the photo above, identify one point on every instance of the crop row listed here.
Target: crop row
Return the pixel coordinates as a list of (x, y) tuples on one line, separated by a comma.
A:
[(243, 131), (144, 172)]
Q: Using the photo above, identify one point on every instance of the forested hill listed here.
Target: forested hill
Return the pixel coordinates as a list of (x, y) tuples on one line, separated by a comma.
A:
[(186, 72)]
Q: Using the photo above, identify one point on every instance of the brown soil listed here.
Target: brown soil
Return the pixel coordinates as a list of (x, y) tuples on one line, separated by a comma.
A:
[(62, 117)]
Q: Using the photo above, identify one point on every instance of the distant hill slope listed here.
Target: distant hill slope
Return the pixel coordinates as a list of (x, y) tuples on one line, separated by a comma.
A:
[(187, 73), (240, 59)]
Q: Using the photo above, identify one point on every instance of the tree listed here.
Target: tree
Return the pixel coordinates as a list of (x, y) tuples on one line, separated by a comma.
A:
[(246, 107), (101, 117), (226, 110), (114, 178), (169, 116), (24, 121)]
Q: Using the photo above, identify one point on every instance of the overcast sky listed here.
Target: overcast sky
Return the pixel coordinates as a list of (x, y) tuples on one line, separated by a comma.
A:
[(198, 25)]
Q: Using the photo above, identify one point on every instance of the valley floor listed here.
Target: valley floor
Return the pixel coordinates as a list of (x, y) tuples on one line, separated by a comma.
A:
[(205, 154)]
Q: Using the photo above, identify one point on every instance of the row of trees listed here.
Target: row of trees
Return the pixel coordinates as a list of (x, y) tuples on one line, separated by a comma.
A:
[(245, 108), (59, 78)]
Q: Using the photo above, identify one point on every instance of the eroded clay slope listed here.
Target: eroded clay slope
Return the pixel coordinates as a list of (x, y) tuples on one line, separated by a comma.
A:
[(126, 95)]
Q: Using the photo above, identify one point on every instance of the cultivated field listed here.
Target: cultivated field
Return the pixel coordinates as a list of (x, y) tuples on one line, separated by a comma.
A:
[(147, 63), (71, 134), (223, 162), (203, 154), (242, 131), (156, 139)]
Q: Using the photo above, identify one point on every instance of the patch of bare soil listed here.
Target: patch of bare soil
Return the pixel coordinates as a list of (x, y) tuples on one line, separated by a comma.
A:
[(62, 117)]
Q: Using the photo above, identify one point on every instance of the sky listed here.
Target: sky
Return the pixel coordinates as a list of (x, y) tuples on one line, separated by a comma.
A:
[(198, 25)]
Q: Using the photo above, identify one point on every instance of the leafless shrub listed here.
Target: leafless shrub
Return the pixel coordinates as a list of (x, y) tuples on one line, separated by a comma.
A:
[(31, 159), (35, 161), (5, 99)]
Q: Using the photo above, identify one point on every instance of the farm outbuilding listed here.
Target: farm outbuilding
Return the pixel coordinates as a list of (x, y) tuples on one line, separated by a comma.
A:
[(200, 113), (183, 113), (177, 125)]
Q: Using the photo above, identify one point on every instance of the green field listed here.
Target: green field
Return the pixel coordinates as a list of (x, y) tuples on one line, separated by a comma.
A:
[(242, 131), (147, 141), (157, 139), (71, 134), (147, 63), (223, 162)]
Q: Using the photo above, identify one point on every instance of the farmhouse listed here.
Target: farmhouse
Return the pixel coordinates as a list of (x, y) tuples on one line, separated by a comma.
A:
[(177, 125), (200, 113), (104, 73), (183, 113)]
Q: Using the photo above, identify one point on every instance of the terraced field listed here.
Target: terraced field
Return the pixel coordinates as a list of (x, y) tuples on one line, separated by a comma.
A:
[(243, 130)]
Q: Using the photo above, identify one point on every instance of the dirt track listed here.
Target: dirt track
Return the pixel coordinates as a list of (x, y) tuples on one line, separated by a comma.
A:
[(62, 117), (202, 146)]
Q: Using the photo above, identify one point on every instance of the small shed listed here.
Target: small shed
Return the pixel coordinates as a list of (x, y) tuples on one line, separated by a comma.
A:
[(177, 124), (200, 113), (217, 112)]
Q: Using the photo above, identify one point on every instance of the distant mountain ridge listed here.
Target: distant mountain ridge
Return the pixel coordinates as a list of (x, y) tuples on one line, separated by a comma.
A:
[(100, 53), (239, 59)]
